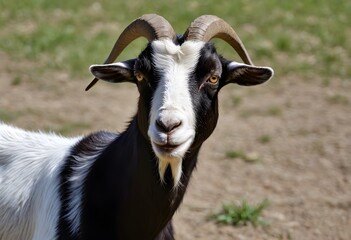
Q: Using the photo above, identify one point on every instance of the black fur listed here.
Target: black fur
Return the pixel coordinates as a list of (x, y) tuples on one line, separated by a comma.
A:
[(89, 145), (139, 206), (123, 197), (204, 94)]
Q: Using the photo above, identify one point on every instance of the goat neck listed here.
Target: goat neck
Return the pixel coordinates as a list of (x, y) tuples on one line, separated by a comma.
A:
[(124, 189)]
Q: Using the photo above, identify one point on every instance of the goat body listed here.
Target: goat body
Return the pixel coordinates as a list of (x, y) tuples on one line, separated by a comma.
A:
[(44, 187), (138, 200), (128, 185)]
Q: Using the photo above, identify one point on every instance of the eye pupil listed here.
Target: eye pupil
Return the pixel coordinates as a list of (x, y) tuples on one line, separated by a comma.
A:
[(139, 76), (213, 79)]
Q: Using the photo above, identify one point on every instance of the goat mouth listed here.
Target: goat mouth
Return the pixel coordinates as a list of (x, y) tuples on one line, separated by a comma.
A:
[(167, 148), (170, 148)]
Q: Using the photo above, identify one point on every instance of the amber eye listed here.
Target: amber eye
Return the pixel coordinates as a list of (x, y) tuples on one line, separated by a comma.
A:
[(213, 79), (139, 76)]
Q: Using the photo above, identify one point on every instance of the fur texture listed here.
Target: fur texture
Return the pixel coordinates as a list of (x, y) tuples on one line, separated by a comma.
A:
[(128, 185), (172, 102), (29, 182), (73, 176)]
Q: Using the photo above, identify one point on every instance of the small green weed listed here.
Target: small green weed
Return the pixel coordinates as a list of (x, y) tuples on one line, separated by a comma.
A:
[(271, 111), (16, 81), (70, 128), (236, 100), (338, 99), (234, 154), (265, 138), (274, 111), (242, 214), (249, 157), (8, 116)]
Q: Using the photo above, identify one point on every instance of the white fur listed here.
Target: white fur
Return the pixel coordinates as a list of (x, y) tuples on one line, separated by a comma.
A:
[(118, 64), (29, 167), (234, 65), (172, 101)]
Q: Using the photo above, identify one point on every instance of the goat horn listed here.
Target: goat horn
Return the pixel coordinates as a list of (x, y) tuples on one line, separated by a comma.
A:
[(207, 27), (150, 26)]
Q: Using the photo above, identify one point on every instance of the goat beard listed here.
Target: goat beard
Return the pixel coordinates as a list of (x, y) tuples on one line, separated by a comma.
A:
[(175, 164)]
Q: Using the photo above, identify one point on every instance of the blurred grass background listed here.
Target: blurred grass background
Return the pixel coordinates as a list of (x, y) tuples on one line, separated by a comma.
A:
[(304, 38)]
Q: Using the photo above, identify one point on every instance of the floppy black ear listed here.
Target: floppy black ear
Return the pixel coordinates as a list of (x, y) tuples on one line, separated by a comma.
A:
[(115, 72), (246, 75)]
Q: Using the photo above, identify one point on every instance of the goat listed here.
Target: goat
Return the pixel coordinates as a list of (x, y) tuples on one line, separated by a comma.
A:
[(127, 185)]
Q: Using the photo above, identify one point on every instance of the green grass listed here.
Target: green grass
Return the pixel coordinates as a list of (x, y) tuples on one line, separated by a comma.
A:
[(274, 111), (236, 101), (271, 111), (264, 139), (7, 116), (294, 37), (242, 214), (17, 80), (69, 128), (338, 99), (249, 157)]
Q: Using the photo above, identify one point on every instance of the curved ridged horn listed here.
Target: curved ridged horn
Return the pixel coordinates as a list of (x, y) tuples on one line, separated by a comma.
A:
[(207, 27), (150, 26)]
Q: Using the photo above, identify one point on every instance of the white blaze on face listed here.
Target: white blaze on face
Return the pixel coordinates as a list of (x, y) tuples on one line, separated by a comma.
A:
[(172, 102)]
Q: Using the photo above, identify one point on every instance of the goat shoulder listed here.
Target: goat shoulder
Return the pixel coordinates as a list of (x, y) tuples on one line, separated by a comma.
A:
[(29, 169)]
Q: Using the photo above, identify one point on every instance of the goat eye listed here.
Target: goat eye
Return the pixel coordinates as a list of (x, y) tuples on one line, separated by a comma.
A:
[(213, 79), (139, 76)]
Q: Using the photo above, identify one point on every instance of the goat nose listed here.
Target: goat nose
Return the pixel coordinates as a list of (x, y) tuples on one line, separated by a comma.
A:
[(168, 126)]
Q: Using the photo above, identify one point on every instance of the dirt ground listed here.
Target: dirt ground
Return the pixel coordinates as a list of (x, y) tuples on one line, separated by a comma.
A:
[(304, 170)]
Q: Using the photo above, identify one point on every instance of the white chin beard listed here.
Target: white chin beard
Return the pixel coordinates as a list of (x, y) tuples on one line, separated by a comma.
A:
[(176, 167)]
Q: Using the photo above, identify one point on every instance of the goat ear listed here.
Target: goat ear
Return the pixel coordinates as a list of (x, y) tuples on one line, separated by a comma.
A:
[(247, 75), (115, 72)]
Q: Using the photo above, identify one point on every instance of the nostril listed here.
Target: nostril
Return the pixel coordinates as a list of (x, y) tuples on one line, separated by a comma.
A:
[(167, 127), (161, 126), (175, 125)]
